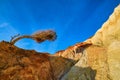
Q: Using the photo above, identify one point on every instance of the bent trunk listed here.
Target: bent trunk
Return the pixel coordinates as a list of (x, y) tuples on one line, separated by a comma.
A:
[(20, 37)]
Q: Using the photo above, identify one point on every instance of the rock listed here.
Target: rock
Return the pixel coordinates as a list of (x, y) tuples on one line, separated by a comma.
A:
[(101, 60), (109, 32), (19, 64)]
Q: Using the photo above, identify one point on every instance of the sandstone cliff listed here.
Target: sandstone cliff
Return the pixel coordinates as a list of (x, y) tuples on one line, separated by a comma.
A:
[(101, 60), (95, 59)]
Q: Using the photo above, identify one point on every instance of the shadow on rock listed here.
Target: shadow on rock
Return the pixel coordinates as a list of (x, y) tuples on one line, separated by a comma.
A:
[(60, 66), (20, 64), (78, 73)]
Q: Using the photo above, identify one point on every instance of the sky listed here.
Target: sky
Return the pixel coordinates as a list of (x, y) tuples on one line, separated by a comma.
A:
[(73, 20)]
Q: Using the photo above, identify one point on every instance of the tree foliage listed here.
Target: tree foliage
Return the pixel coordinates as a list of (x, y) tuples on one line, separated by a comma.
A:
[(39, 36)]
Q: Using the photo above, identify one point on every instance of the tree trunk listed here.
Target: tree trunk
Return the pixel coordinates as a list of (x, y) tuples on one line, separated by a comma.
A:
[(20, 37)]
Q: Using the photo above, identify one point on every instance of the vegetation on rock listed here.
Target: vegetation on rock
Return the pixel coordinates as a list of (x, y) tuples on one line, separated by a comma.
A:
[(39, 37)]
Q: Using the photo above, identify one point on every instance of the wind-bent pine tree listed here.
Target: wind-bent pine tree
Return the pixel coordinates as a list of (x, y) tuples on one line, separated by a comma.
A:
[(39, 36)]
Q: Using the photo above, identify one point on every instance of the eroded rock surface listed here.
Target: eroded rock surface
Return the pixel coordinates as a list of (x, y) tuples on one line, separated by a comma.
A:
[(101, 60), (20, 64)]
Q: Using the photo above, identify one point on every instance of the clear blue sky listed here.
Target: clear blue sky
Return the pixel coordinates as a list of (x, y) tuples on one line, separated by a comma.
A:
[(73, 20)]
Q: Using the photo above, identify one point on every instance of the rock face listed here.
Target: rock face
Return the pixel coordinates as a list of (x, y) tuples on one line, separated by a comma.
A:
[(19, 64), (101, 60), (95, 59)]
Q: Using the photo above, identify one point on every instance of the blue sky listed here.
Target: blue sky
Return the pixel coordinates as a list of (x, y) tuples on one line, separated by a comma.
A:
[(73, 20)]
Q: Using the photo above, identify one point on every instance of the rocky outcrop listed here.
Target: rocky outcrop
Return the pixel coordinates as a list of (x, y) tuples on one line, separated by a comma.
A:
[(95, 59), (19, 64), (72, 54), (101, 60)]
